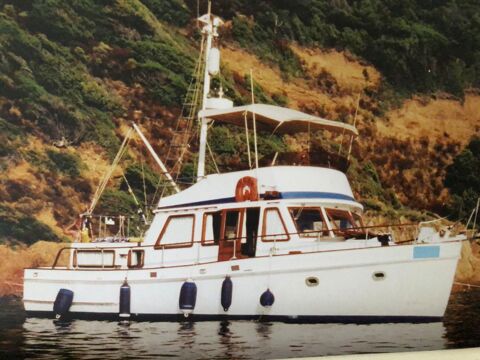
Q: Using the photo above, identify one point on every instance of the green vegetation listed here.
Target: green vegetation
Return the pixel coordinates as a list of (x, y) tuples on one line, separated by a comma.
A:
[(143, 182), (65, 163), (367, 184), (419, 45), (114, 202), (81, 69), (174, 11), (266, 44), (463, 180), (15, 226), (230, 147)]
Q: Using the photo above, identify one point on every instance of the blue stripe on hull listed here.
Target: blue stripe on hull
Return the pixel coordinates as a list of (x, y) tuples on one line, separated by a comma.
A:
[(283, 195)]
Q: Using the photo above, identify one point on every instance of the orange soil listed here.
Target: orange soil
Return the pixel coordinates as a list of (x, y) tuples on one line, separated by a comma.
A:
[(436, 118), (95, 160), (42, 253), (304, 94), (467, 269), (298, 91), (22, 171), (91, 155), (45, 215), (348, 73)]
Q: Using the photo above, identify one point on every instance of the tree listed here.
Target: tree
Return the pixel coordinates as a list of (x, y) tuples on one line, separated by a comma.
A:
[(463, 179)]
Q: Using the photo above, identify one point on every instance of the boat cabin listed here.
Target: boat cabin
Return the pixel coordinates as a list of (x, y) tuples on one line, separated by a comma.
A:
[(224, 217)]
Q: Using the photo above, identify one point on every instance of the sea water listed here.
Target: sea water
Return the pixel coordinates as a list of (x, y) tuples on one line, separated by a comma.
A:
[(24, 338)]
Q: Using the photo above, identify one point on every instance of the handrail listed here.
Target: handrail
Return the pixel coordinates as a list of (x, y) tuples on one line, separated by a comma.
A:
[(355, 230)]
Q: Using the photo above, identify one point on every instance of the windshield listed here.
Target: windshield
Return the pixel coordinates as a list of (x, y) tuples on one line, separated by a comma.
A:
[(309, 221), (340, 219)]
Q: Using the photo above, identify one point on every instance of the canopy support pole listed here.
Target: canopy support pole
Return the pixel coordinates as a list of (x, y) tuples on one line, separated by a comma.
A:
[(213, 158), (254, 122), (248, 140), (354, 123)]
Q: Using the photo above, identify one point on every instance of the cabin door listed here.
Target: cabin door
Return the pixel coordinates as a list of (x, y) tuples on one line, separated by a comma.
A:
[(230, 240)]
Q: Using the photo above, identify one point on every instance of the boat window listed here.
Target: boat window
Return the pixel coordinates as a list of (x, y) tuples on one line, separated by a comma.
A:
[(232, 220), (273, 226), (340, 219), (94, 258), (309, 221), (177, 232), (212, 223), (136, 258)]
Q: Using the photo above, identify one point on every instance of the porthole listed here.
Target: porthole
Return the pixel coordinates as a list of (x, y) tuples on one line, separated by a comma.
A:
[(311, 281), (378, 276)]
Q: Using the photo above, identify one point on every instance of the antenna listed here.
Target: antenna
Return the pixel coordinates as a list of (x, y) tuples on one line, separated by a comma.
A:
[(198, 13), (210, 30)]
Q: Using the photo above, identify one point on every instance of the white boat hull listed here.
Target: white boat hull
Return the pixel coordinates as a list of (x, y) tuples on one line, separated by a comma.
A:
[(412, 288)]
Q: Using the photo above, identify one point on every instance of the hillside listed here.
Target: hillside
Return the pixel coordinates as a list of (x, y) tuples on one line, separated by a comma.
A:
[(80, 71)]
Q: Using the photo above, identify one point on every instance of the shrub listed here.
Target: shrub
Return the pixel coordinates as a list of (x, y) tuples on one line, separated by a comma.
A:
[(65, 163), (172, 11), (462, 178), (136, 175), (114, 202), (24, 228)]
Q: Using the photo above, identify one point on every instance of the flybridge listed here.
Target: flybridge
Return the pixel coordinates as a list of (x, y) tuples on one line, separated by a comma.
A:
[(276, 119)]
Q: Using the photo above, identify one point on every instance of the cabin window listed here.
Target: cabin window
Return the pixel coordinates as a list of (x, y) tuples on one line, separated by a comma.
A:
[(232, 222), (136, 258), (309, 222), (340, 219), (177, 232), (212, 223), (274, 228), (94, 258)]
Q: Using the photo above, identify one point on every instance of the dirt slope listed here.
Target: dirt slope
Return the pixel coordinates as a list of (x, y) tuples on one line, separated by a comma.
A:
[(441, 118)]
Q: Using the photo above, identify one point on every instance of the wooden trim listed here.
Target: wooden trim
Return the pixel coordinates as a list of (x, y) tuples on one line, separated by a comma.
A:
[(142, 259), (238, 235), (99, 251), (203, 241), (323, 233), (360, 219), (333, 212), (158, 244), (236, 242), (351, 231), (264, 225)]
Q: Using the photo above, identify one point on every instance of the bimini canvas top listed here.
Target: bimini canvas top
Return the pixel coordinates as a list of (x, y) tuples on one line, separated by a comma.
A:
[(276, 119)]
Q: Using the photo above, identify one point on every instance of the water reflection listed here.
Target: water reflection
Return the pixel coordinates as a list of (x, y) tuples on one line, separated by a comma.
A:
[(80, 339), (238, 339), (462, 320)]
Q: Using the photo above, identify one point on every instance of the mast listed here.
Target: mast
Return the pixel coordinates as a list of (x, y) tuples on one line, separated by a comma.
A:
[(211, 24)]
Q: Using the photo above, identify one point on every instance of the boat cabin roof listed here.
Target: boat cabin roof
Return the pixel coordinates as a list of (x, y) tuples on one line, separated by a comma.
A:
[(302, 183), (276, 119)]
